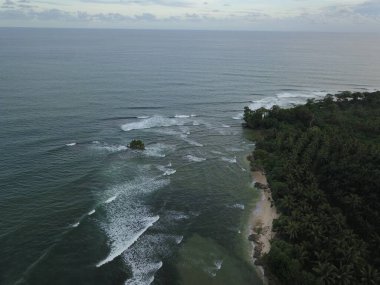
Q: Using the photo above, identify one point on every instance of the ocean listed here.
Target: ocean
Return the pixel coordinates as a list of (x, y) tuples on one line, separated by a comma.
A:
[(77, 206)]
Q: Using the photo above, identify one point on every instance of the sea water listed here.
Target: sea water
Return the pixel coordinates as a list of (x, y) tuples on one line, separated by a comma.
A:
[(77, 206)]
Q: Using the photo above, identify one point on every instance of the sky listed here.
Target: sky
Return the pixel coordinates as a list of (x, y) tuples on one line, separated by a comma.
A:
[(261, 15)]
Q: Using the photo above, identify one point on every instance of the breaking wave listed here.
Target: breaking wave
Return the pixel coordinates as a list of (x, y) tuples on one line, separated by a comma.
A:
[(148, 222), (154, 122), (286, 99), (283, 99), (127, 218)]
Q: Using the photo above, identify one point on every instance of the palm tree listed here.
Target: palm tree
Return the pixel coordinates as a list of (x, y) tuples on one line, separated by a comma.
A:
[(292, 229), (326, 273), (369, 275), (345, 274)]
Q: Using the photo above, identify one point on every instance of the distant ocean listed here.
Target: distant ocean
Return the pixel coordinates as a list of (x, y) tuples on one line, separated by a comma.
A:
[(78, 207)]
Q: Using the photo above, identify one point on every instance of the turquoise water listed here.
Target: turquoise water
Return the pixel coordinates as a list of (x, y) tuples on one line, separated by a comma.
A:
[(78, 207)]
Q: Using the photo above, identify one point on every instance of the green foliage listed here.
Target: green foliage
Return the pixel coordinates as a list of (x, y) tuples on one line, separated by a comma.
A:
[(137, 144), (322, 161)]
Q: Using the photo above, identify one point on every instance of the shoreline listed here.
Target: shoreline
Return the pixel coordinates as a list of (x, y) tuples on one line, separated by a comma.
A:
[(261, 222)]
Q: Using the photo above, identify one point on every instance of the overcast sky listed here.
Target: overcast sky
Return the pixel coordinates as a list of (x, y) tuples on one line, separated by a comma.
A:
[(309, 15)]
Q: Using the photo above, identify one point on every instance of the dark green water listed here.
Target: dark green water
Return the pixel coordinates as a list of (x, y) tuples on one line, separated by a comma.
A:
[(78, 207)]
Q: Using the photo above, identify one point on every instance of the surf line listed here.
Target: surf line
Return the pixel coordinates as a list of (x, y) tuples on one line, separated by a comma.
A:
[(134, 238)]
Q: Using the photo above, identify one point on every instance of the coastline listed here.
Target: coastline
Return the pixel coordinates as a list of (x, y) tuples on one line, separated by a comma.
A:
[(261, 222)]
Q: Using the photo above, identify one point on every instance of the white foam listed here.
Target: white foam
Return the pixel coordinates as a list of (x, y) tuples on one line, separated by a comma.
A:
[(192, 142), (216, 152), (196, 123), (71, 144), (115, 148), (218, 264), (286, 99), (143, 117), (238, 116), (178, 216), (182, 116), (144, 258), (109, 200), (194, 158), (153, 122), (169, 172), (226, 126), (132, 240), (107, 147), (166, 171), (234, 149), (158, 150), (178, 239), (91, 212), (128, 218), (75, 225), (230, 160), (238, 206)]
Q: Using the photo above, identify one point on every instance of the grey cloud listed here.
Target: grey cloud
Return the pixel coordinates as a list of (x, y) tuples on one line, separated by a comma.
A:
[(8, 4), (146, 17), (172, 3), (369, 8)]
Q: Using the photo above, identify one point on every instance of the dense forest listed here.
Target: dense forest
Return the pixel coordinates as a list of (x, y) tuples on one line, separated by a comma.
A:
[(322, 161)]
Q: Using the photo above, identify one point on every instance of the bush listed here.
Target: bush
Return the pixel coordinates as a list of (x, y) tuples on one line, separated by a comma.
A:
[(137, 144)]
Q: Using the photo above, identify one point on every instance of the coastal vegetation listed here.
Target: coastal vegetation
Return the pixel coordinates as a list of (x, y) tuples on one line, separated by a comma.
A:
[(137, 144), (322, 162)]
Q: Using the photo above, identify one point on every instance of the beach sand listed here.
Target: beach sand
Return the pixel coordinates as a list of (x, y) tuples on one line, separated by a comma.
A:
[(262, 219)]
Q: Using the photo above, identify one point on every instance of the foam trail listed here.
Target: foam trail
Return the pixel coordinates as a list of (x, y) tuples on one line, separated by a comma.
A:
[(230, 160), (238, 206), (71, 144), (166, 171), (109, 200), (192, 142), (142, 117), (111, 148), (238, 116), (115, 253), (75, 225), (194, 158), (169, 172), (158, 150), (218, 264), (91, 212)]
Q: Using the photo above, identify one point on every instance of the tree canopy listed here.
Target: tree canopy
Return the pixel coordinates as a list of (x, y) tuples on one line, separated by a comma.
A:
[(322, 161)]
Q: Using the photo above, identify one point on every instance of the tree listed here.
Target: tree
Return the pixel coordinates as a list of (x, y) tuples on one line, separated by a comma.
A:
[(137, 144)]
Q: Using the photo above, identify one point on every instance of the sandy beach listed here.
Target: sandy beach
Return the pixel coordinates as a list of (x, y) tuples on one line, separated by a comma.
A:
[(262, 217)]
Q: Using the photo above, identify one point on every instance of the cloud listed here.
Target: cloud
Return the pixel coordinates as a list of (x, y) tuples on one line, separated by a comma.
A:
[(369, 8), (364, 16), (171, 3)]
